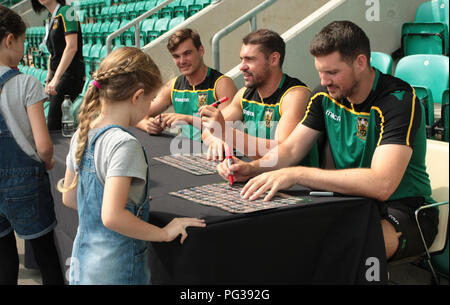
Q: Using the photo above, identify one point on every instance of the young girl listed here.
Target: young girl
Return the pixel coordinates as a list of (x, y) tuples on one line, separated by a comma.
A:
[(109, 168), (26, 150)]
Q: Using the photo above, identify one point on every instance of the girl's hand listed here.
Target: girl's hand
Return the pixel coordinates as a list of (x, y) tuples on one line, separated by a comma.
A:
[(178, 226)]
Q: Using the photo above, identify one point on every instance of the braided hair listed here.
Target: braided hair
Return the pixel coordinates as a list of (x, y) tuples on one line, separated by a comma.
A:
[(119, 76)]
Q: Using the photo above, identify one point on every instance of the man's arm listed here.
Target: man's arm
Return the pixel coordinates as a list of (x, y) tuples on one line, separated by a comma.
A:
[(292, 108), (161, 102), (380, 181)]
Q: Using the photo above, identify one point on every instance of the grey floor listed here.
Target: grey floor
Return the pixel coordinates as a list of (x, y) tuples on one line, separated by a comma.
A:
[(403, 274)]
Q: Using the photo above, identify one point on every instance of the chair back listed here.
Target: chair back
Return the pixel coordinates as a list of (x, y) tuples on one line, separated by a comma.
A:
[(437, 161), (381, 61)]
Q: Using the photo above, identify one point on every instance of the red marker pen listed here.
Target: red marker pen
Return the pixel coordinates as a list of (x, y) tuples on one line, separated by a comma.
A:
[(230, 162), (217, 103), (222, 100)]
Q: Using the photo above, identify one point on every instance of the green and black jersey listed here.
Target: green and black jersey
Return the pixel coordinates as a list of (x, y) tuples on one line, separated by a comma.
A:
[(391, 114), (66, 22), (261, 115), (187, 99)]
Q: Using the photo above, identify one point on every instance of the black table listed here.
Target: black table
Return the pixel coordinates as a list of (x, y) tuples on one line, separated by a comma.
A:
[(331, 240)]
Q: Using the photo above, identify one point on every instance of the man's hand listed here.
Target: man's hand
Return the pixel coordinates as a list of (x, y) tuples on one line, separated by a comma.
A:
[(212, 118), (216, 149), (242, 171), (271, 181), (151, 125), (174, 119)]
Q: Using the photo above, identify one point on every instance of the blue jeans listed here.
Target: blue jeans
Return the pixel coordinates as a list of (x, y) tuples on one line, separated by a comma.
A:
[(100, 255), (26, 203)]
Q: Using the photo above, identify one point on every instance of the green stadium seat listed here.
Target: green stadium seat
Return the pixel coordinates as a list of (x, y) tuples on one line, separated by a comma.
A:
[(381, 61), (139, 8), (205, 3), (429, 75), (424, 38), (194, 9), (148, 6), (176, 21), (430, 30), (161, 26), (146, 29)]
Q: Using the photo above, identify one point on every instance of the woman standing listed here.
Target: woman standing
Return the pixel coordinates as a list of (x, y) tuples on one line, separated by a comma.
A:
[(63, 40)]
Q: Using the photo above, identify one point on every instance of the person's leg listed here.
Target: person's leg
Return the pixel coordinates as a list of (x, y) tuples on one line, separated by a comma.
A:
[(391, 238), (46, 256), (401, 234), (9, 260)]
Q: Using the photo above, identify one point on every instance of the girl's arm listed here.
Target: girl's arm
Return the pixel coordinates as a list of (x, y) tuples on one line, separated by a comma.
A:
[(117, 218), (44, 145), (69, 198)]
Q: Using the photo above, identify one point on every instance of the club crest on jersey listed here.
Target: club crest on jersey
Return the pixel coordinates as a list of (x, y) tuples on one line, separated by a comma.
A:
[(363, 124), (202, 99), (55, 24), (268, 117)]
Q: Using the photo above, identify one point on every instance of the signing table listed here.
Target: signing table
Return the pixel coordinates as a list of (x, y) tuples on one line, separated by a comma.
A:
[(329, 240)]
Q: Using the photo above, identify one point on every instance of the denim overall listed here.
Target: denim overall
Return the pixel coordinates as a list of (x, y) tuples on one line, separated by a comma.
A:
[(100, 255), (26, 202)]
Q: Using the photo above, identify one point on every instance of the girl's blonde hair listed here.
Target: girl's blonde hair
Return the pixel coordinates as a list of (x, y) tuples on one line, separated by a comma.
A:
[(119, 76)]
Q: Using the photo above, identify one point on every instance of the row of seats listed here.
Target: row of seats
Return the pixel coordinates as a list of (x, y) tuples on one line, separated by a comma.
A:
[(119, 13), (96, 11), (429, 75)]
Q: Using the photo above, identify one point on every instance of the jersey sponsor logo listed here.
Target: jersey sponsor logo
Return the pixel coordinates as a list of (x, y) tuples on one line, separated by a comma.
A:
[(268, 117), (202, 99), (332, 115), (182, 99), (362, 128), (249, 113)]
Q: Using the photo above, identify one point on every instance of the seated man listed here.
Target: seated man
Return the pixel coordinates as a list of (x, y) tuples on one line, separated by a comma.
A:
[(271, 104), (197, 85), (376, 130)]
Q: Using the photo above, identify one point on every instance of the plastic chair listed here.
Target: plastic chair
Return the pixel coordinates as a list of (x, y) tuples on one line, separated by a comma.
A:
[(429, 33), (437, 163), (381, 61), (176, 21), (429, 75)]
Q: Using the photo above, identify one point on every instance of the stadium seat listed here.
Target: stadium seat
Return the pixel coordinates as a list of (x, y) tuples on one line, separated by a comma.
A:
[(429, 33), (161, 26), (424, 38), (176, 21), (381, 61), (437, 168), (146, 29), (429, 75)]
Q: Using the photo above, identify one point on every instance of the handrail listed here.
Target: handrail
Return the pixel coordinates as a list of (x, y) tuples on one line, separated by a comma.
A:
[(251, 15), (137, 32)]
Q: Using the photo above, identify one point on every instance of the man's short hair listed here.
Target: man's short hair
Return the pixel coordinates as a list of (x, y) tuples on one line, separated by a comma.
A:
[(343, 36), (269, 42), (182, 35)]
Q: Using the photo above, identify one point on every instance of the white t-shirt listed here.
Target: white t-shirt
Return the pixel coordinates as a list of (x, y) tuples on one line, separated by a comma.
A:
[(116, 154), (18, 93)]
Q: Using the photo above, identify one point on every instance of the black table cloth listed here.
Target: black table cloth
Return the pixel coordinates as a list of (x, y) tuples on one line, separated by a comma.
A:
[(331, 240)]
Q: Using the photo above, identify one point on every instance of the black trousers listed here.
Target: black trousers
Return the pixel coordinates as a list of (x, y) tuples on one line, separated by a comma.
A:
[(46, 255), (68, 85)]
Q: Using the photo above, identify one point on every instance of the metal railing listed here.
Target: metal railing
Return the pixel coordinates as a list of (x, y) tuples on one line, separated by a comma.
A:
[(249, 16), (135, 23)]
